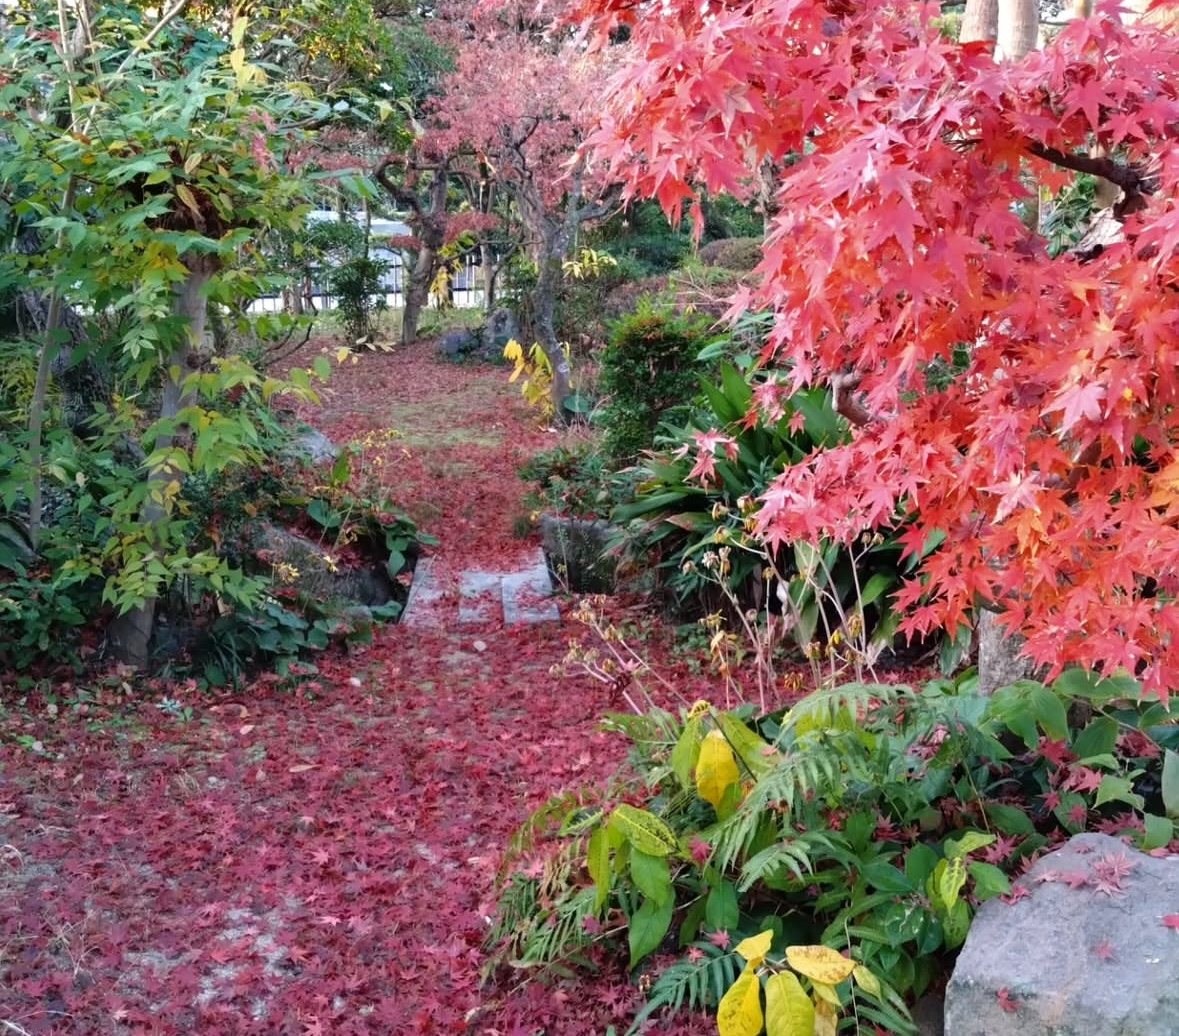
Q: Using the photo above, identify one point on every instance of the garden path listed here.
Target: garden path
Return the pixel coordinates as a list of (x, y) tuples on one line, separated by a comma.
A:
[(317, 859)]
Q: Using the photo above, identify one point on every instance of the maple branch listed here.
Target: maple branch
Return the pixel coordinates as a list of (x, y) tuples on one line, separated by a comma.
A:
[(842, 387), (1130, 178)]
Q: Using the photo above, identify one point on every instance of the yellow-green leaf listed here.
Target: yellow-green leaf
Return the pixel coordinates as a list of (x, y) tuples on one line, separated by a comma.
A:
[(820, 963), (754, 751), (687, 751), (948, 879), (755, 948), (189, 199), (716, 768), (867, 981), (645, 831), (598, 864), (826, 1019), (789, 1011), (826, 993), (739, 1013)]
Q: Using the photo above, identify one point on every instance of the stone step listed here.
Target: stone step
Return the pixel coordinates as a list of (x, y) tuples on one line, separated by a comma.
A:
[(522, 596)]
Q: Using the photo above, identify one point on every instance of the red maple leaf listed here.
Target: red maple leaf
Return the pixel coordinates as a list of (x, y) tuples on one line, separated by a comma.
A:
[(1006, 1001)]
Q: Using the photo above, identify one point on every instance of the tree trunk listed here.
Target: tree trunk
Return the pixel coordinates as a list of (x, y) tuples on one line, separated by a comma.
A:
[(131, 632), (1019, 28), (1000, 659), (417, 293), (544, 296), (980, 21), (490, 273), (429, 221)]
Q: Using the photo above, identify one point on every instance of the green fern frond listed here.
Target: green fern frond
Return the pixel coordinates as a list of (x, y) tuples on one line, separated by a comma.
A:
[(691, 985), (545, 822), (837, 707), (792, 855), (560, 935)]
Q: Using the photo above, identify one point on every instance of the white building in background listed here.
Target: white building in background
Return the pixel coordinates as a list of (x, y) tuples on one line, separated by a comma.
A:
[(465, 292)]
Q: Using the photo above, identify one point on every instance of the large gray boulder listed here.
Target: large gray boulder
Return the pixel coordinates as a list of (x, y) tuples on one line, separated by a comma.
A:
[(454, 345), (309, 569), (501, 327), (1081, 951), (310, 446)]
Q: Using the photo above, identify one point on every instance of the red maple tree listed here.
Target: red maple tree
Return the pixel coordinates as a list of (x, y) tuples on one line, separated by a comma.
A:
[(1043, 479), (522, 97)]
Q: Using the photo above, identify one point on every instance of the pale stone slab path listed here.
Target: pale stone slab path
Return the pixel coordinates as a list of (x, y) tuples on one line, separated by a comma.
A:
[(524, 595)]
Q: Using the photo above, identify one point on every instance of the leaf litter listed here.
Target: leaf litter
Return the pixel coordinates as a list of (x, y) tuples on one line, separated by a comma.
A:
[(318, 859)]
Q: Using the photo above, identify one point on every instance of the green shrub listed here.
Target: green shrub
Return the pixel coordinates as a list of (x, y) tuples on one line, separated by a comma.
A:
[(677, 520), (356, 283), (580, 311), (736, 253), (725, 216), (573, 481), (866, 818), (649, 368)]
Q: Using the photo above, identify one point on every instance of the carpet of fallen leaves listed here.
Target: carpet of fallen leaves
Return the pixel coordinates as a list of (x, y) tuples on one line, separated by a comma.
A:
[(316, 859)]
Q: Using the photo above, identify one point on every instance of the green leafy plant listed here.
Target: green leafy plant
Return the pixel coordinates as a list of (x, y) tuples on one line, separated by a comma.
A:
[(690, 521), (572, 480), (866, 823), (357, 285), (648, 369)]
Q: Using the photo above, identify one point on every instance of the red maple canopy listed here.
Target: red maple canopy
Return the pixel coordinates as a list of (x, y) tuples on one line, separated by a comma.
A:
[(1048, 467)]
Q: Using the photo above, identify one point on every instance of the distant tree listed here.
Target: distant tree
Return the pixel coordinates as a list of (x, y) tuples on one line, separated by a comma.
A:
[(521, 100)]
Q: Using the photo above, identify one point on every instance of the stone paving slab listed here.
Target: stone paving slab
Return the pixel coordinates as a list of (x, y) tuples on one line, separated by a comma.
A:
[(528, 595), (522, 596), (480, 594), (425, 593)]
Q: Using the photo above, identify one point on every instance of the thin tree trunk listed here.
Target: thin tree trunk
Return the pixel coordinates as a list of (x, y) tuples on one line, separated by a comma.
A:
[(490, 272), (1019, 28), (544, 296), (980, 21), (131, 631)]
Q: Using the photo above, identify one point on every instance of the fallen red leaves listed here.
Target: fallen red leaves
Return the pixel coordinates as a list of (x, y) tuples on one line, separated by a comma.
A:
[(318, 860)]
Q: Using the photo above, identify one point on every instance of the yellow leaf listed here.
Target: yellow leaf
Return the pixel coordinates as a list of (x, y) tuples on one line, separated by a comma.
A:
[(237, 61), (189, 199), (823, 991), (820, 963), (716, 768), (191, 163), (739, 1012), (868, 982), (789, 1011), (342, 353), (825, 1019), (755, 948)]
